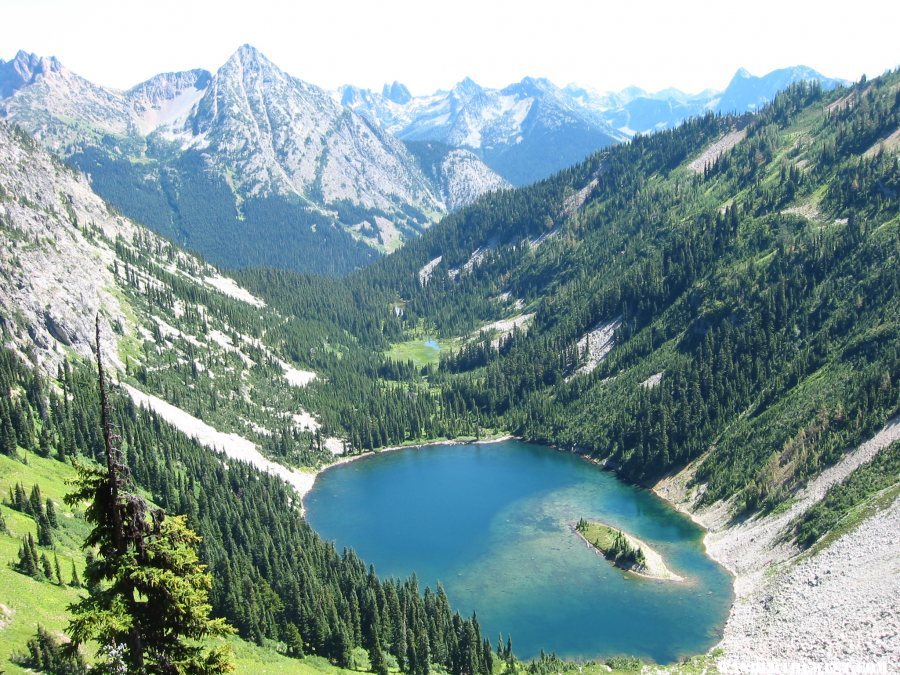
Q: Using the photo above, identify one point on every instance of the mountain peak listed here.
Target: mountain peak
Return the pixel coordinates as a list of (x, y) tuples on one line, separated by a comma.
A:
[(542, 82), (23, 69), (742, 74), (396, 92), (467, 86), (533, 86), (248, 55)]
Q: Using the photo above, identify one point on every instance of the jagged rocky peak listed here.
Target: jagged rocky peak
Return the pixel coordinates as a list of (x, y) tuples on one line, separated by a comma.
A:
[(23, 70), (467, 87), (248, 55), (396, 92), (248, 60), (57, 106), (533, 86), (351, 96)]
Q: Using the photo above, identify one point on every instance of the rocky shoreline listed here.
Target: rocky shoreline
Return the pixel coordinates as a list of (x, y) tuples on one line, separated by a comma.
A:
[(834, 610)]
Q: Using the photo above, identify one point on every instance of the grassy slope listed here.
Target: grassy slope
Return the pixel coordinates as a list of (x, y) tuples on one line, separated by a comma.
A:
[(600, 535), (34, 603)]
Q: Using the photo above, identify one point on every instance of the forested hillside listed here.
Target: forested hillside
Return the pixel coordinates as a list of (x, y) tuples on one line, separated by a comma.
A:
[(745, 267), (276, 581), (725, 293)]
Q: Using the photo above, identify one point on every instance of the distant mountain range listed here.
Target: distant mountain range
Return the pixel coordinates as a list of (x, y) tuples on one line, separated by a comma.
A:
[(252, 166), (249, 165), (529, 130)]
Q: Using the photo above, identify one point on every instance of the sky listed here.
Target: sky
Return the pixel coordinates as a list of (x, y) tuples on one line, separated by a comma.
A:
[(688, 44)]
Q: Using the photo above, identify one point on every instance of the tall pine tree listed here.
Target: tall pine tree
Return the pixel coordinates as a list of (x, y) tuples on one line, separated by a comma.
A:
[(148, 593)]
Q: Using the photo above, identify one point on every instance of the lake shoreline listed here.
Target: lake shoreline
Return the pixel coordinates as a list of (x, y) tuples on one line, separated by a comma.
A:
[(360, 491), (748, 552), (393, 448)]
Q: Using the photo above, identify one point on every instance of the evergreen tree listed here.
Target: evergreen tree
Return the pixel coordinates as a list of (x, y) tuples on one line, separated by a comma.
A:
[(47, 655), (44, 442), (8, 440), (74, 580), (56, 569), (45, 532), (293, 641), (51, 514), (28, 558), (36, 503), (148, 604), (20, 501), (46, 567)]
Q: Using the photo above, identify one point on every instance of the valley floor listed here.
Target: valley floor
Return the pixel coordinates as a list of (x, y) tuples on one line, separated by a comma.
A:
[(834, 608)]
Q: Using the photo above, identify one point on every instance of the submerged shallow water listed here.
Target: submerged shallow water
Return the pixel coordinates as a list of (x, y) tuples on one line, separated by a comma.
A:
[(493, 523)]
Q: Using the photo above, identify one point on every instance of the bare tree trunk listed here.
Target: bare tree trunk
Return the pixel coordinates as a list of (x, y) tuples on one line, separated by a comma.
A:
[(116, 477)]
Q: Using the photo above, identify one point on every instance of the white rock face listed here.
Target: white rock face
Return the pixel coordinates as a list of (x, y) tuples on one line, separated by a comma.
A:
[(464, 178), (167, 100), (53, 280), (597, 343), (58, 260), (832, 610), (428, 269)]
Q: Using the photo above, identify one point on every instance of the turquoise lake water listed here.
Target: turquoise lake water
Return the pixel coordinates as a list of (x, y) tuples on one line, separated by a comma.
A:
[(493, 523)]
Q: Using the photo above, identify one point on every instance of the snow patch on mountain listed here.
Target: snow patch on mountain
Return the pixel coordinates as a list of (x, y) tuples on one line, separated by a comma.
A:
[(232, 445), (294, 376), (229, 287)]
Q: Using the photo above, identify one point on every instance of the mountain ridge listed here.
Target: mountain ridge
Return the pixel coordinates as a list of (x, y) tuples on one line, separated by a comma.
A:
[(286, 152), (492, 122)]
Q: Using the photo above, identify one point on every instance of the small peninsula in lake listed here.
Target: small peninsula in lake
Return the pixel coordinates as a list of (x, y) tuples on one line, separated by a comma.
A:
[(625, 551)]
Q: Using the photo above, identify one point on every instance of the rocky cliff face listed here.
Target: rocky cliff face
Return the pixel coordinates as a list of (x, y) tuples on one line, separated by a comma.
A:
[(457, 172), (56, 275), (66, 258)]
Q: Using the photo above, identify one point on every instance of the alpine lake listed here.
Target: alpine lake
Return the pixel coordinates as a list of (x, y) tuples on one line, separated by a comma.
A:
[(493, 523)]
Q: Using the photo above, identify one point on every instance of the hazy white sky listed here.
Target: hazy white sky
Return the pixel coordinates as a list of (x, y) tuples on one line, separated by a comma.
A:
[(689, 44)]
